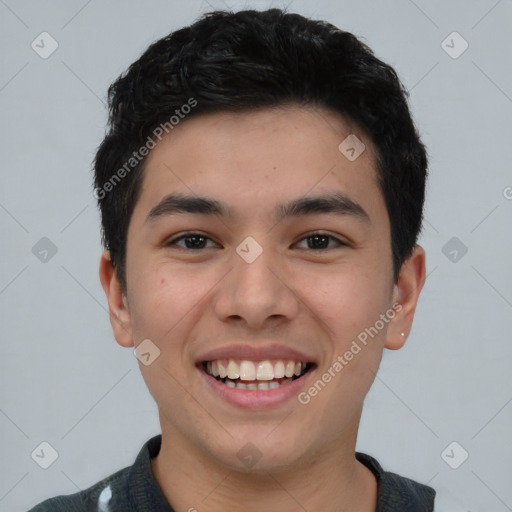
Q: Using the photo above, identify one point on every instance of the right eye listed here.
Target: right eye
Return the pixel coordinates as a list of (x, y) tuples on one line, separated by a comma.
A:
[(192, 240)]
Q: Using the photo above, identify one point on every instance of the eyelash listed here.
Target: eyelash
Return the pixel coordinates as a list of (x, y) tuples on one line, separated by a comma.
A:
[(195, 233)]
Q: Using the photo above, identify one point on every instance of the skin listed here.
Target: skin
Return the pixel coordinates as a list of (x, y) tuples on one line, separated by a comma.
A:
[(188, 301)]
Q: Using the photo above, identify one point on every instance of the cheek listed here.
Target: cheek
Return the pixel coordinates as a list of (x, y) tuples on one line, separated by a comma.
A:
[(346, 299), (159, 301), (167, 301)]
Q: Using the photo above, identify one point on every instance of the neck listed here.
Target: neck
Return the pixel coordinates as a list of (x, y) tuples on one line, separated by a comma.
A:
[(329, 481)]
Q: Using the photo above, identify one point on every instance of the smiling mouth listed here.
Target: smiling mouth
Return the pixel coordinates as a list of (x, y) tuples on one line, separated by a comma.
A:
[(256, 375)]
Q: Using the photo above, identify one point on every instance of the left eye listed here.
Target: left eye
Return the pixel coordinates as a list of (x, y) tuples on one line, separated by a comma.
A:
[(314, 241), (321, 241), (192, 241)]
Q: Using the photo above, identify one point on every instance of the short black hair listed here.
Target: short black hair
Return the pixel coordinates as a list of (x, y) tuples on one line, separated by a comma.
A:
[(247, 60)]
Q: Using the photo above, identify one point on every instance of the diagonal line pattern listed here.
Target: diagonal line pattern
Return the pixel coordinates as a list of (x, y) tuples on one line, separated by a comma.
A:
[(228, 7), (508, 508), (279, 424), (485, 15), (97, 402), (376, 376), (78, 488), (431, 272), (84, 288), (13, 279), (14, 76), (14, 486), (197, 401), (492, 419), (431, 225), (432, 478), (76, 14), (302, 302), (420, 80), (74, 218), (493, 287), (95, 299), (13, 217), (488, 215), (286, 491), (216, 487), (13, 423), (210, 5), (14, 14), (83, 83), (424, 13), (492, 81)]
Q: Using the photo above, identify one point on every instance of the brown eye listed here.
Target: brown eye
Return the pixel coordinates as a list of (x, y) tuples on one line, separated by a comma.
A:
[(320, 241), (191, 241)]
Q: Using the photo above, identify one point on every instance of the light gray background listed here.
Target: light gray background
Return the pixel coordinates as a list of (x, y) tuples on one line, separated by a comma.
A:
[(64, 380)]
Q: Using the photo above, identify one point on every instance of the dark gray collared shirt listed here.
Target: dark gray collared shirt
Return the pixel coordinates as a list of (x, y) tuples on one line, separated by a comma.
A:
[(134, 489)]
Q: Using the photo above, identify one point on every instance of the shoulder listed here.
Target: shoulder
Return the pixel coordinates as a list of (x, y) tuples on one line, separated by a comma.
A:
[(398, 493), (131, 488), (95, 498)]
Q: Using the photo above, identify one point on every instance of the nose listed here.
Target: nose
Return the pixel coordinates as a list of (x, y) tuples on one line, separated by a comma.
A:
[(257, 293)]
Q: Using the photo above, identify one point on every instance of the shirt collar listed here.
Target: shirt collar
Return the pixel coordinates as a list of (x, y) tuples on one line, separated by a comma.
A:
[(144, 491), (396, 492)]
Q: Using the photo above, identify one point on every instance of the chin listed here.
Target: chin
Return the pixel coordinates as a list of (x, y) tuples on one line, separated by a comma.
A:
[(260, 454)]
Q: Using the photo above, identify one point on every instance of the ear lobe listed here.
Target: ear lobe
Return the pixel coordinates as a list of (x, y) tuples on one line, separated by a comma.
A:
[(119, 312), (406, 293)]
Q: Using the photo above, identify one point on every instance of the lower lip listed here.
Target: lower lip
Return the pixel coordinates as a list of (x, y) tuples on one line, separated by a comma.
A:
[(258, 399)]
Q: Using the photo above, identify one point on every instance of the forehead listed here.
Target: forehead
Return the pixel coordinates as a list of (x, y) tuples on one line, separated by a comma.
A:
[(253, 160)]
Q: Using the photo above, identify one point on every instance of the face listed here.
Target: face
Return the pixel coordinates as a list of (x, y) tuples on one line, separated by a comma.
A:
[(272, 278)]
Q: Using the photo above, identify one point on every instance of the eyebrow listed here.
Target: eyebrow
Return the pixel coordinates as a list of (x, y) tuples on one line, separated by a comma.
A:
[(335, 203)]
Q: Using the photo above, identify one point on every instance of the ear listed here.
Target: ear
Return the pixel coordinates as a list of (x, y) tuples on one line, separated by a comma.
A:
[(120, 317), (406, 292)]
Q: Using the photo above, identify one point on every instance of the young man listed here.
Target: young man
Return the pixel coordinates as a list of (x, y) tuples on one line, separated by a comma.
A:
[(261, 189)]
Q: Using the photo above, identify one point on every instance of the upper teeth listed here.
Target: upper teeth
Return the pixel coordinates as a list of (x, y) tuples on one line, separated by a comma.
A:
[(254, 370)]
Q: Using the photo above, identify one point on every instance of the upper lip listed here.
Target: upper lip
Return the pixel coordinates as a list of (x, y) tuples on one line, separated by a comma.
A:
[(255, 353)]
